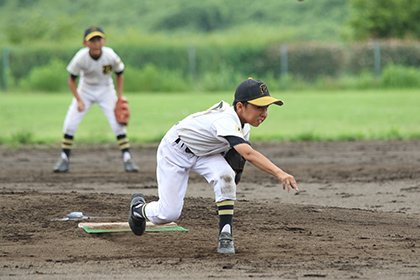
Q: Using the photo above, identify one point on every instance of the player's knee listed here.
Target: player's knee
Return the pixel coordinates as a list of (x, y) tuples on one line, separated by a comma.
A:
[(228, 185), (169, 215)]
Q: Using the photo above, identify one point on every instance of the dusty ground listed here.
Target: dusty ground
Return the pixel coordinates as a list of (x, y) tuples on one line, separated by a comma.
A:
[(356, 216)]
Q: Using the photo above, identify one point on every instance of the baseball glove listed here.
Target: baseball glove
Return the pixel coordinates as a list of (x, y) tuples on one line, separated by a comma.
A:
[(237, 162), (122, 111)]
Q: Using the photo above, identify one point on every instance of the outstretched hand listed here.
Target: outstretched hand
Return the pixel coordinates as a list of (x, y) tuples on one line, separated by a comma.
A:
[(263, 163), (288, 181)]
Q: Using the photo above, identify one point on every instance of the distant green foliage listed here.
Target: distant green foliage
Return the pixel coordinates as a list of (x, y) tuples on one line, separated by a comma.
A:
[(151, 79), (219, 81), (204, 16), (392, 77), (310, 61), (50, 77), (169, 68), (362, 81), (231, 40), (396, 76), (38, 28), (22, 137), (183, 21), (23, 59), (169, 57), (360, 55), (385, 19)]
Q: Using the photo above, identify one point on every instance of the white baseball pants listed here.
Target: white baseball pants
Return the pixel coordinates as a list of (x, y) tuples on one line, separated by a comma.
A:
[(173, 167), (104, 96)]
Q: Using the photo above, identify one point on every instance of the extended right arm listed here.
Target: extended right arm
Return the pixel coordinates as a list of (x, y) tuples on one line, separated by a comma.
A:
[(263, 163), (73, 87)]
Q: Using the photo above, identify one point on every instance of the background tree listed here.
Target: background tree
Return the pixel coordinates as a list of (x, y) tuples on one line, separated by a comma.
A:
[(381, 19)]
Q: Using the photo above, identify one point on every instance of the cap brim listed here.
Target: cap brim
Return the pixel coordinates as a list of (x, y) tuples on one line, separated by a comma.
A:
[(265, 101), (94, 34)]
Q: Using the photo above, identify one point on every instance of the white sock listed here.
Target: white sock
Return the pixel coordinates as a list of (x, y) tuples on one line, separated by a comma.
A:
[(227, 228), (64, 156), (126, 156)]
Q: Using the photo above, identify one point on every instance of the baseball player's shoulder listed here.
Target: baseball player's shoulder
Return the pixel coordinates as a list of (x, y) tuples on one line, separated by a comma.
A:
[(230, 113), (108, 51), (78, 60), (223, 117), (109, 55), (227, 120), (82, 52), (229, 123)]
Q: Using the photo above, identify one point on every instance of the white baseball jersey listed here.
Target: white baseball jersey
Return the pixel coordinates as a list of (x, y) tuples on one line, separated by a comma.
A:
[(204, 132), (95, 72)]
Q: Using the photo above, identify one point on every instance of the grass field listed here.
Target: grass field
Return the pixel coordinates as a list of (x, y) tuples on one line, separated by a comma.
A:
[(347, 115)]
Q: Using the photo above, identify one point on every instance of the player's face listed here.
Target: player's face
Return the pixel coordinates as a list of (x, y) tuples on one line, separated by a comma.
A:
[(95, 45), (252, 114)]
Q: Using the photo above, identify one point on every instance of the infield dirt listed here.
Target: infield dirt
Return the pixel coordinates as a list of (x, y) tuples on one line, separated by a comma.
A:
[(356, 216)]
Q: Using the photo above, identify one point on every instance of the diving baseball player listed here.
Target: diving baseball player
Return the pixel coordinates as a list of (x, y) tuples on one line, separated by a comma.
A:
[(94, 64), (199, 143)]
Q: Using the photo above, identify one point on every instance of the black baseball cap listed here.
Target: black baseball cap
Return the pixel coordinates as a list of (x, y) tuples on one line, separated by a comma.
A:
[(255, 92), (93, 31)]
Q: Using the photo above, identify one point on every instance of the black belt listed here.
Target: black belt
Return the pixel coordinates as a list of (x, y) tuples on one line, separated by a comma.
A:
[(187, 150)]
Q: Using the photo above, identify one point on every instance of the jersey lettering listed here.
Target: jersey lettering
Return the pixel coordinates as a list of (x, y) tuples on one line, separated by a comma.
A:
[(106, 69)]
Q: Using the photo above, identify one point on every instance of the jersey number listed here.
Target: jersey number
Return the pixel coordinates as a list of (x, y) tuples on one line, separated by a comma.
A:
[(106, 69)]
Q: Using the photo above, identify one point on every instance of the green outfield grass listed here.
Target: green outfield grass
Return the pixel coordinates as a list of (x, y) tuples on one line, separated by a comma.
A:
[(347, 115)]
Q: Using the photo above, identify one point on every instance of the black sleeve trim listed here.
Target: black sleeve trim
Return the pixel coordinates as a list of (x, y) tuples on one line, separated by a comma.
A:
[(119, 73), (235, 140), (73, 77)]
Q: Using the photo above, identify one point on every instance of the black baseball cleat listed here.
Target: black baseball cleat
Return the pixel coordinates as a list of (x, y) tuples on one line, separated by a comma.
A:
[(226, 243), (136, 218)]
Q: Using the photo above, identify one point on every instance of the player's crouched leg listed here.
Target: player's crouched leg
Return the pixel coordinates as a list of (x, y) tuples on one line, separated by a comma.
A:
[(160, 213)]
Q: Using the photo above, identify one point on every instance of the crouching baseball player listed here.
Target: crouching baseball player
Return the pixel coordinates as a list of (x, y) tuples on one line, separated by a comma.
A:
[(214, 144), (95, 64)]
